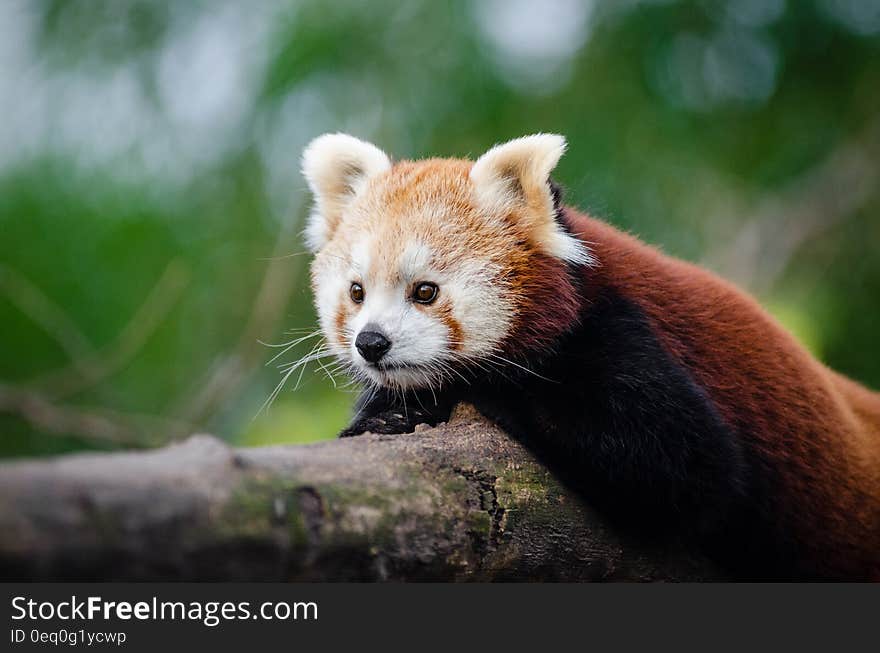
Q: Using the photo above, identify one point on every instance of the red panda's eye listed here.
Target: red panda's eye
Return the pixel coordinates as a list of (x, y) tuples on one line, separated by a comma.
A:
[(425, 293), (356, 292)]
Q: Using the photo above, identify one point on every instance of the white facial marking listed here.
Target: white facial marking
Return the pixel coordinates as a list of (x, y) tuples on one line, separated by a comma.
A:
[(360, 259), (415, 261), (422, 344), (331, 282), (480, 306), (568, 248), (417, 337)]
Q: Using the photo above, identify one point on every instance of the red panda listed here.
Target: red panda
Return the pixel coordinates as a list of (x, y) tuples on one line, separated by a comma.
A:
[(663, 393)]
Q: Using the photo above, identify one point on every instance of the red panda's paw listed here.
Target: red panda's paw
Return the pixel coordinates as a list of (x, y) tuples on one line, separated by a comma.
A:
[(388, 422)]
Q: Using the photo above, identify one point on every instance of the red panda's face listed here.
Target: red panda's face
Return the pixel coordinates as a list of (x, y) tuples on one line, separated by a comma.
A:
[(421, 267)]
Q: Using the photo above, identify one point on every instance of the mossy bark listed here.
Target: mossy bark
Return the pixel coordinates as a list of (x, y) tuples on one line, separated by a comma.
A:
[(459, 502)]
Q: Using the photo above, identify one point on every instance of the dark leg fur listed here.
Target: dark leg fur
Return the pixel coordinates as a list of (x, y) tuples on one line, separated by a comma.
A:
[(383, 411), (622, 422), (618, 419)]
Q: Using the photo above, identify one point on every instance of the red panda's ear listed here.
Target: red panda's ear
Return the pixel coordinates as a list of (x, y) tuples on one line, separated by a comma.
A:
[(337, 167), (514, 179)]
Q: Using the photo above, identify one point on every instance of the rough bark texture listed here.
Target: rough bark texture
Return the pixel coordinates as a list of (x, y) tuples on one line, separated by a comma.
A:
[(458, 502)]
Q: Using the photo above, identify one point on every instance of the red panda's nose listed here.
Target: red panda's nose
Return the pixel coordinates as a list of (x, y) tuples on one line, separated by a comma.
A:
[(372, 344)]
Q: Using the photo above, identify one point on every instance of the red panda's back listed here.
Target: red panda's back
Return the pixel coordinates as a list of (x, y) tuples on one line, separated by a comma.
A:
[(813, 434)]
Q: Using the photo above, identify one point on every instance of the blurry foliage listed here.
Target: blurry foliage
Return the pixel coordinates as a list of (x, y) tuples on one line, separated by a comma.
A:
[(147, 141)]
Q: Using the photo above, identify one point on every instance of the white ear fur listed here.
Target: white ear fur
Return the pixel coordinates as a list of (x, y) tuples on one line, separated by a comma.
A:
[(518, 172), (527, 161), (337, 168)]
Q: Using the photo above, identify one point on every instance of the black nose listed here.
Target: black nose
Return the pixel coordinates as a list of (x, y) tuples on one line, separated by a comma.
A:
[(372, 345)]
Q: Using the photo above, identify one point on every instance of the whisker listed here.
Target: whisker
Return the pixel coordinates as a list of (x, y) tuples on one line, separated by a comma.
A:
[(287, 346), (522, 367), (292, 342), (430, 383), (282, 256), (271, 398), (327, 372), (308, 358)]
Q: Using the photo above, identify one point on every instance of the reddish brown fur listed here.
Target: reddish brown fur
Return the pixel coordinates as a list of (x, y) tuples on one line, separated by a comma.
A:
[(340, 322), (456, 335), (817, 432), (546, 297)]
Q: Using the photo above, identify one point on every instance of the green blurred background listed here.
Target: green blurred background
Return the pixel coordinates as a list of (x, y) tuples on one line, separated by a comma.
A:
[(151, 204)]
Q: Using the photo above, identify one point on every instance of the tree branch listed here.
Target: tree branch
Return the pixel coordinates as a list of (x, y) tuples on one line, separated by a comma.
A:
[(459, 502)]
